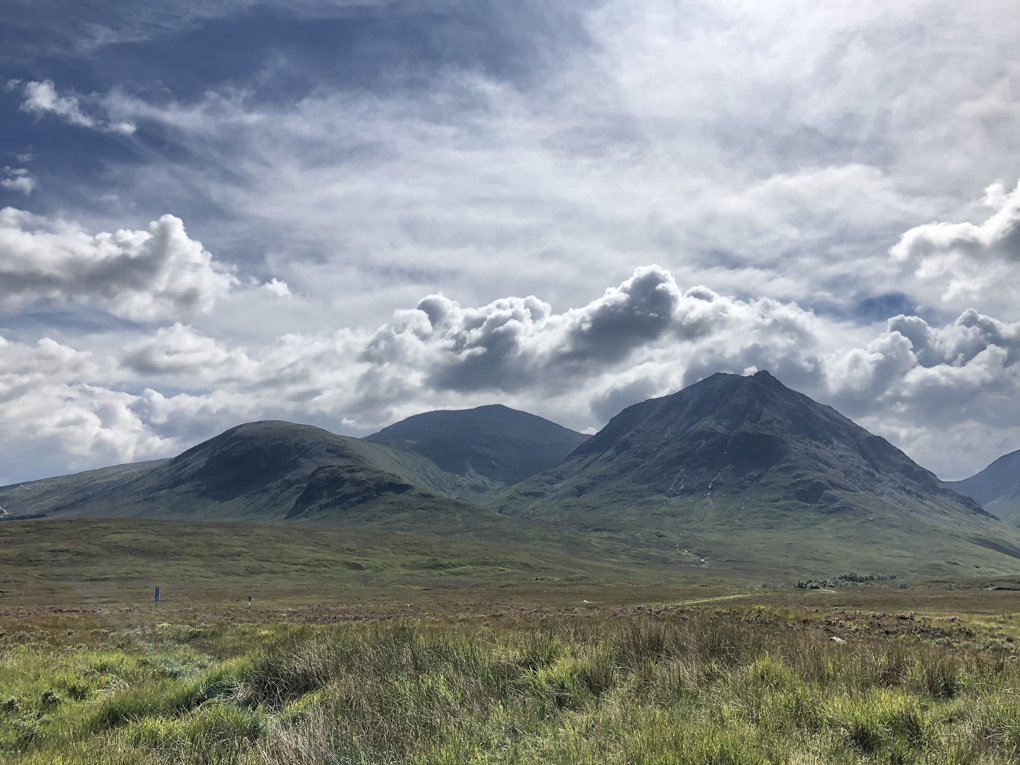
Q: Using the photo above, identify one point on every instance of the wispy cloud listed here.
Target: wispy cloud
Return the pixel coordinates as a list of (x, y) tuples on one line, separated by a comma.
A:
[(18, 179), (41, 99)]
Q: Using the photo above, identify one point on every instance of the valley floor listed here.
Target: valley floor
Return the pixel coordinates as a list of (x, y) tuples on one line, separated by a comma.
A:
[(759, 679), (367, 646)]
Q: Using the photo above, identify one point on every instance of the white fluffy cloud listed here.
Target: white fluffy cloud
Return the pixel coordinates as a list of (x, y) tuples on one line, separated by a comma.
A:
[(177, 351), (945, 394), (139, 275), (646, 337), (59, 413), (967, 261)]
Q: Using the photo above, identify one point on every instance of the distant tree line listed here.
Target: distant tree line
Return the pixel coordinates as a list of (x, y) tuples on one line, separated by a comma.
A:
[(843, 580)]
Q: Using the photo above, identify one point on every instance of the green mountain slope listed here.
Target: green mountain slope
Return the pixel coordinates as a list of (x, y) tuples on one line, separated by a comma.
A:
[(996, 488), (39, 499), (261, 472), (734, 471), (485, 448)]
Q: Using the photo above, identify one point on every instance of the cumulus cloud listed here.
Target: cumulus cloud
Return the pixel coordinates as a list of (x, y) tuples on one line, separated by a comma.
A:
[(140, 275), (965, 259), (911, 381), (998, 236), (178, 350), (41, 99), (517, 343), (18, 179), (60, 413), (278, 288), (514, 342)]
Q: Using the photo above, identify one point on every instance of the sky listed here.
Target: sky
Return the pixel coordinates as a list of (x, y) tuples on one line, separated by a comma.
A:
[(346, 212)]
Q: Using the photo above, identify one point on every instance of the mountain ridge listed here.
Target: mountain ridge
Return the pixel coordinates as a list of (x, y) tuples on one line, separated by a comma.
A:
[(489, 447), (716, 468), (996, 488), (266, 471), (733, 474)]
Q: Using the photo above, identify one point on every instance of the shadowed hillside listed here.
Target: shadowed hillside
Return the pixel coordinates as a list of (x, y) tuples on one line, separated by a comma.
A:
[(260, 472), (996, 488), (737, 476), (737, 470), (486, 448)]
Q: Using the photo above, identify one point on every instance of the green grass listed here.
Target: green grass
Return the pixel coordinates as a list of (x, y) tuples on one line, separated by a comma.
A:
[(119, 561), (640, 685)]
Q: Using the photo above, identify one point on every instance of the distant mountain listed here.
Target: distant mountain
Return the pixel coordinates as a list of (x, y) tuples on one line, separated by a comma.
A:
[(996, 488), (737, 470), (260, 472), (738, 475), (487, 448)]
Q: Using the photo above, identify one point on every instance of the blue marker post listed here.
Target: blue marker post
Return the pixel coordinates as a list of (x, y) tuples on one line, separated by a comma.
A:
[(157, 596)]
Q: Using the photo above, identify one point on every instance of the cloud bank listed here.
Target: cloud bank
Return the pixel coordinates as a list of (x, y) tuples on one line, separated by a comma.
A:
[(645, 337), (139, 275)]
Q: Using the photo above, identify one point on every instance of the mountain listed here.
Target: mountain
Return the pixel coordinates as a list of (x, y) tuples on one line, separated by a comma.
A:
[(260, 472), (737, 475), (996, 488), (737, 470), (486, 448)]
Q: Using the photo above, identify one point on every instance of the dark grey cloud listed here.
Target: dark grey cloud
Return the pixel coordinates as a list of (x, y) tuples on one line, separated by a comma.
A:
[(514, 342), (639, 312), (959, 343)]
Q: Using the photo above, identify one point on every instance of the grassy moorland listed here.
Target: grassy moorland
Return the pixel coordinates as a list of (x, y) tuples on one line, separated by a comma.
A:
[(711, 683), (118, 561), (380, 647)]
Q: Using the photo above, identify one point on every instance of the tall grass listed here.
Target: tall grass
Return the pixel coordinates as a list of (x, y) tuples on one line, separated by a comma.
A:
[(679, 687)]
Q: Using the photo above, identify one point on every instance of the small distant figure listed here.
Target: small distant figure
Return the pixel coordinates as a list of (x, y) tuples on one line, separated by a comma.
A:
[(249, 601)]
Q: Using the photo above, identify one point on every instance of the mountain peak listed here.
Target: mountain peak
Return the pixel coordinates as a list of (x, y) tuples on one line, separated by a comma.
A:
[(490, 446), (732, 437), (741, 468)]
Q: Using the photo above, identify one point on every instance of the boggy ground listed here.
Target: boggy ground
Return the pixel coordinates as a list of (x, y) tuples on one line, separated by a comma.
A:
[(711, 683)]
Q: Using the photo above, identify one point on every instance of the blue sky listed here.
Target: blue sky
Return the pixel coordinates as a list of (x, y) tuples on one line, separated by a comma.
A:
[(344, 213)]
